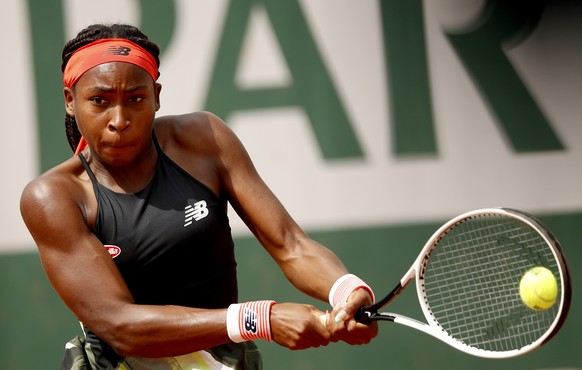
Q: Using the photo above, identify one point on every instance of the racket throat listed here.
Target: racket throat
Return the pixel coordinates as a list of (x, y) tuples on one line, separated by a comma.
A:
[(368, 313), (389, 298)]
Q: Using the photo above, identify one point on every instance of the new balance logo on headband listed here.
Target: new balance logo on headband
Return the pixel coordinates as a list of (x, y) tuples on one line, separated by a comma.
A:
[(121, 50), (195, 213)]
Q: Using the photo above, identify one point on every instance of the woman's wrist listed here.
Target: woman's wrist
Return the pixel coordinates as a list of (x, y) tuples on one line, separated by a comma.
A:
[(346, 285), (249, 321)]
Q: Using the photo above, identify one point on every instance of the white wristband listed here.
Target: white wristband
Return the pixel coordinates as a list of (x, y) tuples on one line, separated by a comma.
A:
[(344, 286), (249, 321)]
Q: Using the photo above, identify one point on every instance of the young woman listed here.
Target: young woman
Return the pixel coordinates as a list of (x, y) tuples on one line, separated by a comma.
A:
[(134, 236)]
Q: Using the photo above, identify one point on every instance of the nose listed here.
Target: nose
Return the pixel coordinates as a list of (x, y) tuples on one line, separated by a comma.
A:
[(119, 120)]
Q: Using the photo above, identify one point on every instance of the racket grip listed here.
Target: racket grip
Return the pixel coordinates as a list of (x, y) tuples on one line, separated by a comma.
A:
[(363, 315)]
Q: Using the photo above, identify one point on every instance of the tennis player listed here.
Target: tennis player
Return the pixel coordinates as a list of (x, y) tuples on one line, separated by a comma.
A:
[(134, 235)]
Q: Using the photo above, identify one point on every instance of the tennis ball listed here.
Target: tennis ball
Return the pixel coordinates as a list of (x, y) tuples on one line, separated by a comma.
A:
[(538, 288)]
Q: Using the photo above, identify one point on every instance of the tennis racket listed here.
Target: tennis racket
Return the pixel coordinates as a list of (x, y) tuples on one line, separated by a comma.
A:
[(467, 281)]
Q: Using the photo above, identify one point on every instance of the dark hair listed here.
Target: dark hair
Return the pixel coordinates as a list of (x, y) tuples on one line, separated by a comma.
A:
[(93, 33)]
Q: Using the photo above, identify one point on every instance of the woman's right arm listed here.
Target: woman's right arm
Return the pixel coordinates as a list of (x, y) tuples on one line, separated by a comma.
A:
[(87, 280)]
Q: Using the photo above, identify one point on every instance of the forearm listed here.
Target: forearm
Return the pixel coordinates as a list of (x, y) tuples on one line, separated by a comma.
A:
[(161, 331), (312, 268)]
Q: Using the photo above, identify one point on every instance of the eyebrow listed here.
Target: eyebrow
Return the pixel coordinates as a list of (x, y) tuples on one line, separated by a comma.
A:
[(101, 89)]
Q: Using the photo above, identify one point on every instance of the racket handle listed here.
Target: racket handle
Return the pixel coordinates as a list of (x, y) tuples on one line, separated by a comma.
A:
[(363, 315)]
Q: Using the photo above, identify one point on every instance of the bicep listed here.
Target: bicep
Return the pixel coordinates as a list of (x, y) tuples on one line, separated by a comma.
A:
[(76, 263), (251, 197)]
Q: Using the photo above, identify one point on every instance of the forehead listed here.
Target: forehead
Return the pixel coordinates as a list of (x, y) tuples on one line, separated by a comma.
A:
[(115, 74)]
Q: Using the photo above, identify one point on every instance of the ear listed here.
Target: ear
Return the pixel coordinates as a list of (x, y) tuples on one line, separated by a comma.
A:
[(158, 90), (69, 101)]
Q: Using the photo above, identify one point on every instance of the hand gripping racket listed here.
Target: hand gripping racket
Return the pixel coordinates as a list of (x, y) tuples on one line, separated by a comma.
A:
[(467, 281)]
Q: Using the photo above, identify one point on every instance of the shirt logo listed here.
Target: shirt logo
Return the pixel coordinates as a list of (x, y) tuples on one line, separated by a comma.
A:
[(195, 213), (113, 250)]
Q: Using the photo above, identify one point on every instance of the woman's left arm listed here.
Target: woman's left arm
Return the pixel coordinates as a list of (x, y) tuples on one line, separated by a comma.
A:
[(308, 265)]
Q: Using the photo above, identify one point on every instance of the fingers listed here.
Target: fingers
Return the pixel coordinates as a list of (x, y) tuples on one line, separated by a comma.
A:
[(342, 324), (348, 310), (298, 326), (351, 331)]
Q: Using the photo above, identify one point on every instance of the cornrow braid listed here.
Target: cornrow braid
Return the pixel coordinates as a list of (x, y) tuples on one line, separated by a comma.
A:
[(96, 32)]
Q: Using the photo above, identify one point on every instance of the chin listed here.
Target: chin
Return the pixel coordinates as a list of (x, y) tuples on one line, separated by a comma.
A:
[(118, 156)]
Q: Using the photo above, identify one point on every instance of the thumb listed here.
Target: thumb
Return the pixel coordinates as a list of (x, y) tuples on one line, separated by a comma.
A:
[(348, 310), (345, 311)]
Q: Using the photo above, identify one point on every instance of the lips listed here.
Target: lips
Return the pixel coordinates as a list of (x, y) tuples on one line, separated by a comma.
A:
[(117, 148), (116, 145), (116, 142)]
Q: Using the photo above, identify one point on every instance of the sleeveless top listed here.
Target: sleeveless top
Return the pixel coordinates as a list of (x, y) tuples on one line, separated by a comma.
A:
[(172, 244)]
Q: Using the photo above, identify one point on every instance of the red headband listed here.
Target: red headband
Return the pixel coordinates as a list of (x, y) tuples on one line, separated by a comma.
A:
[(105, 51)]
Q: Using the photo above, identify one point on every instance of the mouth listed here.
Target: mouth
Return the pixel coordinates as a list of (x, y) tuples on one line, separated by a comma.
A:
[(115, 142), (116, 146)]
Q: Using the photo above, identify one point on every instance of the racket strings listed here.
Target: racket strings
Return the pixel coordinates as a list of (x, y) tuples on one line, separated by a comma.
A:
[(471, 282)]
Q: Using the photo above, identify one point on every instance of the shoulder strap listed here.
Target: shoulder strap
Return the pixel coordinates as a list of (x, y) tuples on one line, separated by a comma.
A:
[(156, 143), (87, 168)]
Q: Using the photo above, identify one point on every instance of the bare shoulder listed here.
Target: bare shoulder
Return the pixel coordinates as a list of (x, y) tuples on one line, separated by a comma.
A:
[(194, 131), (55, 194), (204, 146), (53, 183)]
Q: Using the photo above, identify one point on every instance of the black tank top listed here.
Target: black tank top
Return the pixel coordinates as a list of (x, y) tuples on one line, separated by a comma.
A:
[(173, 245), (171, 241)]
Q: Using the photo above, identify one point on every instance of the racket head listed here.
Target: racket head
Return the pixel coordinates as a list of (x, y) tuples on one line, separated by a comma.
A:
[(467, 280)]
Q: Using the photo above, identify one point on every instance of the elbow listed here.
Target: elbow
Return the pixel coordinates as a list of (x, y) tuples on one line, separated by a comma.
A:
[(123, 338), (124, 346)]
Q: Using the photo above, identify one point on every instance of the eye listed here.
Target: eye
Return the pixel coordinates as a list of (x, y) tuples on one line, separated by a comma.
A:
[(97, 100), (136, 99)]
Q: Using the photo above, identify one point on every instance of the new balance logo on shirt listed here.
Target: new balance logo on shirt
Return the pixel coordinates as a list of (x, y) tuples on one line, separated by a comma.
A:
[(195, 213)]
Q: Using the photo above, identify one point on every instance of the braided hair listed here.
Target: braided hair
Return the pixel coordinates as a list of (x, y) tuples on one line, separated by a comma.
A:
[(87, 36)]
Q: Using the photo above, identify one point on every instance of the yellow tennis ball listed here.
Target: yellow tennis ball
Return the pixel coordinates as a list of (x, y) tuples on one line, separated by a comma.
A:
[(538, 288)]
